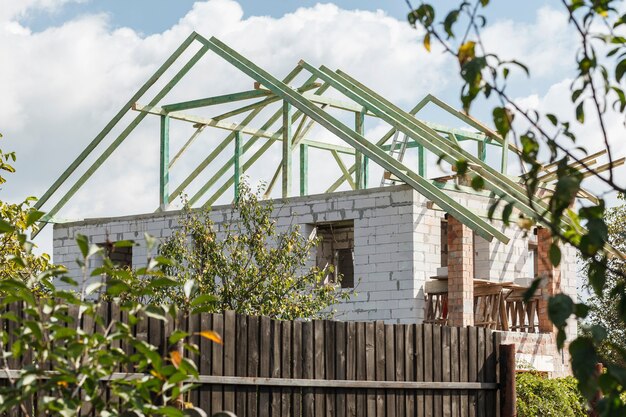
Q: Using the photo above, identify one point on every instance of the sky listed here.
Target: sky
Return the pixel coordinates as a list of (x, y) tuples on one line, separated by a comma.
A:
[(67, 66)]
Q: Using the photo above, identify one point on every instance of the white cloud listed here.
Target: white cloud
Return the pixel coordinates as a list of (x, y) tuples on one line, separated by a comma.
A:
[(60, 86)]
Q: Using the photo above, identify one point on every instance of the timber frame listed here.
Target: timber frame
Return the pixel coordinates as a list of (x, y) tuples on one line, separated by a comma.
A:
[(301, 107)]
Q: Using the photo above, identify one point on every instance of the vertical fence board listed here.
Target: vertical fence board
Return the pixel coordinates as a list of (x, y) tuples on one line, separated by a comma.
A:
[(329, 353), (275, 366), (464, 369), (473, 371), (454, 370), (361, 369), (218, 364), (446, 372), (370, 366), (296, 354), (340, 366), (285, 368), (480, 367), (429, 402), (253, 365), (390, 368), (351, 367), (409, 367), (319, 366), (241, 359), (308, 368), (264, 364), (198, 323), (419, 368), (400, 394), (229, 358), (380, 366)]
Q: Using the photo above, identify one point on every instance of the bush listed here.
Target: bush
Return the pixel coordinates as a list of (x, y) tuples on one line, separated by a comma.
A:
[(538, 396)]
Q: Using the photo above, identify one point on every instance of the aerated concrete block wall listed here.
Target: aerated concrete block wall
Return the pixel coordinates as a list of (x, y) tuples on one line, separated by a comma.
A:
[(397, 245)]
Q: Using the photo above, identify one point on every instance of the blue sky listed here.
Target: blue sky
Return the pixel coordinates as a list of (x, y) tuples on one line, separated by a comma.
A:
[(153, 16)]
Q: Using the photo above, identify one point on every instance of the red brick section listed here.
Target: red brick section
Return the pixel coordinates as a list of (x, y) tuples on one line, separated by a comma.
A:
[(551, 278), (460, 274)]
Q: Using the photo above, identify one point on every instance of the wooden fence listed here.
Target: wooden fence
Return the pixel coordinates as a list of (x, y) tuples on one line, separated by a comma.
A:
[(329, 368)]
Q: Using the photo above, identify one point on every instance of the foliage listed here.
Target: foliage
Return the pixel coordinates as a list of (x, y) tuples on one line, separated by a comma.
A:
[(70, 359), (604, 309), (538, 396), (600, 64), (16, 255), (247, 265), (597, 87)]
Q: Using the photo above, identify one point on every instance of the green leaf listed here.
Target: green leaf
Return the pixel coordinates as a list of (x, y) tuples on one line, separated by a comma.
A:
[(502, 119), (560, 308), (506, 213), (554, 253), (33, 216), (124, 244), (478, 183), (532, 289), (580, 112), (5, 227), (204, 299), (83, 244), (176, 336), (620, 69), (552, 119)]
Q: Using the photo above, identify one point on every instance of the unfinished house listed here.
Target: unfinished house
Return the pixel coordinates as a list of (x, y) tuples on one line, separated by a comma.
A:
[(417, 247)]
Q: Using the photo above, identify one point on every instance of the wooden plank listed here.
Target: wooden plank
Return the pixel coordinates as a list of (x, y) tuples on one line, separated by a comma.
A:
[(319, 366), (351, 367), (329, 355), (399, 346), (390, 369), (419, 368), (217, 364), (409, 367), (370, 366), (472, 362), (496, 348), (194, 327), (490, 372), (464, 369), (230, 345), (480, 366), (253, 364), (428, 369), (275, 366), (264, 365), (360, 395), (380, 366), (241, 363), (446, 369), (454, 369), (297, 364), (437, 368), (340, 365), (285, 367), (308, 408)]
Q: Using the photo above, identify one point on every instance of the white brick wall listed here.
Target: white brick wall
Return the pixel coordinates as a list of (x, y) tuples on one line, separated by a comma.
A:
[(396, 245)]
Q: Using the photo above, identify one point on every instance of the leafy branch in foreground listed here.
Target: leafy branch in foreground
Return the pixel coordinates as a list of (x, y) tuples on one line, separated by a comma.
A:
[(597, 88)]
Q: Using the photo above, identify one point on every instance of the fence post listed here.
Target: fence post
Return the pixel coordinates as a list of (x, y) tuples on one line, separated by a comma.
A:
[(507, 381)]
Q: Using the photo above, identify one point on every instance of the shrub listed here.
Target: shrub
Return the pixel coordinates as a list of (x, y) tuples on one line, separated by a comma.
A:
[(538, 396)]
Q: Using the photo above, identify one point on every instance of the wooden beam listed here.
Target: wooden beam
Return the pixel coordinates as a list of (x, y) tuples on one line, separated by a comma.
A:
[(287, 139), (304, 169), (238, 172), (359, 175), (344, 170), (164, 173)]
